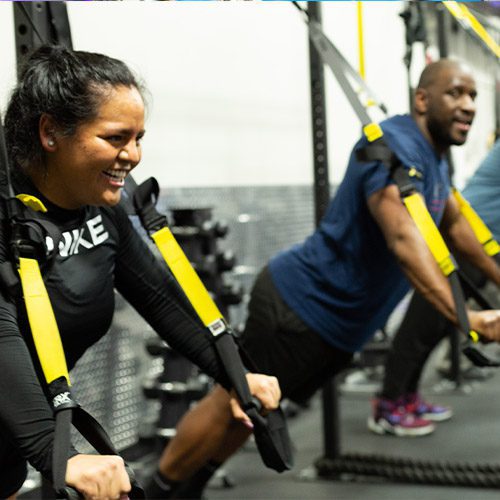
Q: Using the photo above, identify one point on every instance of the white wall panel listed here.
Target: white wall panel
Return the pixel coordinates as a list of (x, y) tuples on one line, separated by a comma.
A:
[(229, 83)]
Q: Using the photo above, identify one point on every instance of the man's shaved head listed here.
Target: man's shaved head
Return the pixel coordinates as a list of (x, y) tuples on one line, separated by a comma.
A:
[(434, 71), (444, 103)]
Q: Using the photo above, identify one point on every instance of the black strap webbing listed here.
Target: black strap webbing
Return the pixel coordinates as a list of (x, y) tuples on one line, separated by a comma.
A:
[(378, 150), (270, 431), (60, 451)]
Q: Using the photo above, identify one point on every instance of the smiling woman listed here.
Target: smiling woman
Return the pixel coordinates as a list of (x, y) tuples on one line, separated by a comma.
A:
[(74, 125), (90, 166), (73, 129)]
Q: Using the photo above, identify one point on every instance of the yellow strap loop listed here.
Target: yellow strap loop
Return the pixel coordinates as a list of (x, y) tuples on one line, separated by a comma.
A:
[(32, 202), (189, 281), (483, 234), (420, 215), (42, 321), (372, 131), (474, 336)]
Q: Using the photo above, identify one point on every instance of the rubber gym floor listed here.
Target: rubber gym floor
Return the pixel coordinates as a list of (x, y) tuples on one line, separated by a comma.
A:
[(472, 435)]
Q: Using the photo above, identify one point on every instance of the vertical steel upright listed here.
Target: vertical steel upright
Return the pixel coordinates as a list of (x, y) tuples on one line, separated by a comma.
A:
[(441, 24), (415, 31), (318, 115), (36, 23), (442, 27), (331, 422)]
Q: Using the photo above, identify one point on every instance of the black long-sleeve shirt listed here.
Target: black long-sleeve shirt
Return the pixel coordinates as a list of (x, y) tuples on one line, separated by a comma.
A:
[(99, 251)]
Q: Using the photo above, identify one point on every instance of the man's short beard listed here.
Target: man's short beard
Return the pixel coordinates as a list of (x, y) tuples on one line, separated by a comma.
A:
[(440, 138)]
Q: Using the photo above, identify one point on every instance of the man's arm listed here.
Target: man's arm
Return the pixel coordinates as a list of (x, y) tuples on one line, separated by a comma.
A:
[(458, 232), (417, 262)]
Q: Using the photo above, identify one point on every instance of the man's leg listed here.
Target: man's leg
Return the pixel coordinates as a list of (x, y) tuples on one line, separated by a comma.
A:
[(235, 437), (200, 435), (423, 327), (399, 409)]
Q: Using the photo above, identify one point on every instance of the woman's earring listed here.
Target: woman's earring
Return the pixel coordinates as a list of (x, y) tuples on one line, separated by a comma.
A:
[(50, 142)]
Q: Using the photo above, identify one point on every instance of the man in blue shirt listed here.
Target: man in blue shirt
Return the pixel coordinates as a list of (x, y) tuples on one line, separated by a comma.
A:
[(315, 304), (423, 327)]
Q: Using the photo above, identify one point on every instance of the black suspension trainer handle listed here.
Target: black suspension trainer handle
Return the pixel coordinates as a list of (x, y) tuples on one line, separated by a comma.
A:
[(98, 438), (68, 412), (70, 493), (270, 431), (468, 347), (136, 493)]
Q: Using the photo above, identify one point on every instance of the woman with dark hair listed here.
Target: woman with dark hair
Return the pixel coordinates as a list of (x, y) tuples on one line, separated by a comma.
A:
[(74, 126)]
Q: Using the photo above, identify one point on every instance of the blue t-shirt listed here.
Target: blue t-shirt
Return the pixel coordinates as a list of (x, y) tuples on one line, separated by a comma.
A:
[(343, 281), (483, 190)]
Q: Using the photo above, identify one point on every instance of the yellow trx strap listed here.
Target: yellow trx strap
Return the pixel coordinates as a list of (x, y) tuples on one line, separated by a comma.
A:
[(468, 21), (189, 281), (42, 321), (483, 234), (418, 211), (31, 202), (40, 313)]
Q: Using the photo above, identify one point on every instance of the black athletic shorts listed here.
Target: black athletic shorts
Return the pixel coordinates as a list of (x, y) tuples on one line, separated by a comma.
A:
[(13, 469), (278, 342)]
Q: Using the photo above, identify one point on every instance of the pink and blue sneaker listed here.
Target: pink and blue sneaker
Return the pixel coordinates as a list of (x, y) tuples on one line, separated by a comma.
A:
[(393, 417), (428, 411)]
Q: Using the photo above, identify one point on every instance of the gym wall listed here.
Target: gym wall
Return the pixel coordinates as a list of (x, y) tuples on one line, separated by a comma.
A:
[(229, 83)]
